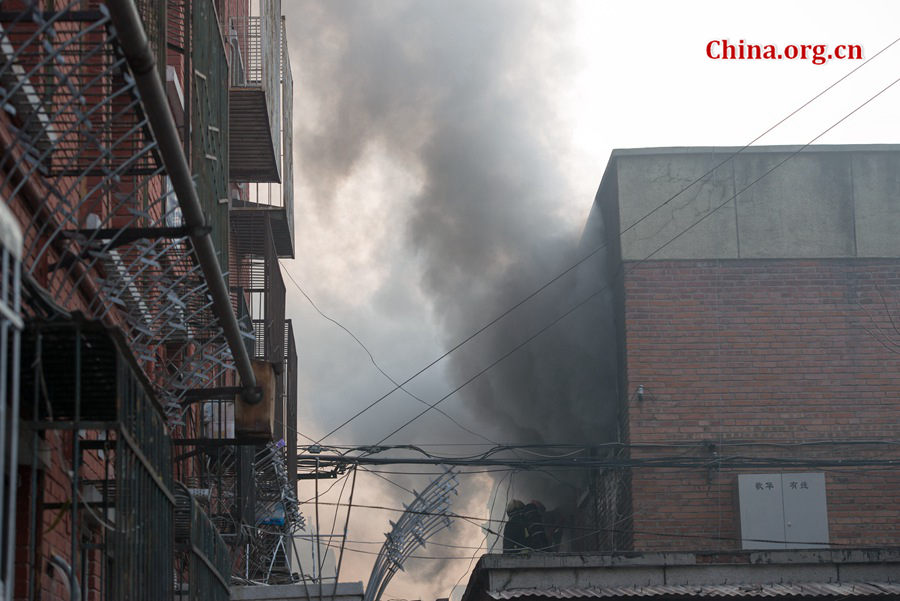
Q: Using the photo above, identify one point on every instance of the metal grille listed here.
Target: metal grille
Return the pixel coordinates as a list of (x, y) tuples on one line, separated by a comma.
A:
[(102, 234), (202, 564), (256, 271), (280, 196), (289, 399), (10, 331), (91, 398), (258, 53), (141, 546), (209, 119), (287, 144), (153, 15)]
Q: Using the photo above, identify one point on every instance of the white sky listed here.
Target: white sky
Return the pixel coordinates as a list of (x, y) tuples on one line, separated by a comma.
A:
[(642, 80)]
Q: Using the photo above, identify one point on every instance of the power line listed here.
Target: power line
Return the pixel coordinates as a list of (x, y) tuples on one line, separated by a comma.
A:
[(637, 264), (324, 492), (737, 442), (397, 386), (481, 523), (612, 446), (605, 244), (680, 461), (570, 460)]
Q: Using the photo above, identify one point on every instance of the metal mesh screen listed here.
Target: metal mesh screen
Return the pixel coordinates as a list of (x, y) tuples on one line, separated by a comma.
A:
[(10, 331), (104, 234), (209, 121), (203, 559)]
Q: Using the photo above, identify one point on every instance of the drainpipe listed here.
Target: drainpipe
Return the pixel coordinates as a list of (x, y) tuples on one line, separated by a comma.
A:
[(136, 48)]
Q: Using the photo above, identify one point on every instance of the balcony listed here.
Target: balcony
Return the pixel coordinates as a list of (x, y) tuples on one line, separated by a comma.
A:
[(260, 117), (256, 271), (255, 94)]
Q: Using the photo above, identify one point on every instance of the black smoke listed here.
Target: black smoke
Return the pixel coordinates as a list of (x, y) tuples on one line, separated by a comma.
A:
[(461, 95)]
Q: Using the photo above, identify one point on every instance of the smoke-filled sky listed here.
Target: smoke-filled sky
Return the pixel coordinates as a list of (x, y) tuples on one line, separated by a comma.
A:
[(446, 158)]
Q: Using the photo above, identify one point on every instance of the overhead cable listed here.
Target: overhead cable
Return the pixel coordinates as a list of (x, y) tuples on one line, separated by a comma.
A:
[(605, 244)]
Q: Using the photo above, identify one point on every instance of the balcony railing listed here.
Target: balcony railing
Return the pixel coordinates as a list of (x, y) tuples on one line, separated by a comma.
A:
[(10, 332), (255, 93), (203, 566), (286, 413), (276, 196), (210, 126), (256, 271)]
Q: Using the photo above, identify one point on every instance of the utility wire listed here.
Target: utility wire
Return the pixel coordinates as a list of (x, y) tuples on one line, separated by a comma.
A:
[(337, 573), (573, 449), (420, 448), (397, 385), (480, 521), (637, 264), (683, 461), (605, 244), (484, 540)]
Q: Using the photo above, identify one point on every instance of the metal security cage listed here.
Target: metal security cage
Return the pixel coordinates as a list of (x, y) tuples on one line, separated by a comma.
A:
[(95, 415), (10, 332), (102, 226), (202, 568)]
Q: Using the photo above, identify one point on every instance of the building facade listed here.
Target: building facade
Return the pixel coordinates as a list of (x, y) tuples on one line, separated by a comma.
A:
[(755, 313), (146, 166), (753, 297)]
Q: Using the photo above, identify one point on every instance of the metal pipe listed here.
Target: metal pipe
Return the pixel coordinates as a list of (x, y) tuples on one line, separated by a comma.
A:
[(137, 51)]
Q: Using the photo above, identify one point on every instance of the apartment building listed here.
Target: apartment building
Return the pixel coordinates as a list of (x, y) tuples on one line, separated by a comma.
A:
[(149, 373)]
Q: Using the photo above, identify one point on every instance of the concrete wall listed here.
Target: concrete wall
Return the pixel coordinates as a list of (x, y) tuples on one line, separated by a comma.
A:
[(768, 202)]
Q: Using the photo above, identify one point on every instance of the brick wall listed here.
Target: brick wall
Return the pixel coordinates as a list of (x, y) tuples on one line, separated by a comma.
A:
[(736, 353)]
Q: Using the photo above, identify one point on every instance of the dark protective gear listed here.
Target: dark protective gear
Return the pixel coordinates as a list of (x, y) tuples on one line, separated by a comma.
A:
[(515, 533), (537, 539)]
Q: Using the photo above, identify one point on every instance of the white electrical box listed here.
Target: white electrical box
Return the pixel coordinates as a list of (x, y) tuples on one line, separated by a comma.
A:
[(783, 511)]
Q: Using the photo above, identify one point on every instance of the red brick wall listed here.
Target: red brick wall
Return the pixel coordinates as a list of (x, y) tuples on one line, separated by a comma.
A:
[(761, 351)]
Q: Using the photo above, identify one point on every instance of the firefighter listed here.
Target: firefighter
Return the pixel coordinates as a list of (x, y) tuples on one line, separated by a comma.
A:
[(515, 533), (537, 539)]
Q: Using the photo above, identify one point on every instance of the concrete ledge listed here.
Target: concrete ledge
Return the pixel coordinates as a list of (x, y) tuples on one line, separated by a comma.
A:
[(824, 202), (498, 573), (345, 591)]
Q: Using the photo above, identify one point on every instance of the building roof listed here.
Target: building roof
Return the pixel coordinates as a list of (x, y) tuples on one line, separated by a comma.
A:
[(806, 589), (343, 591), (766, 202), (821, 574)]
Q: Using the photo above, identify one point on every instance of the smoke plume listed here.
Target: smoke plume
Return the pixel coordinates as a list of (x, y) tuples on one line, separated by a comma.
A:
[(457, 98)]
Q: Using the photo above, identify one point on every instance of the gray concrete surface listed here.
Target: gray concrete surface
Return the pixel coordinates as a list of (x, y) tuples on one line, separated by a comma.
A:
[(552, 573), (767, 202), (346, 591)]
